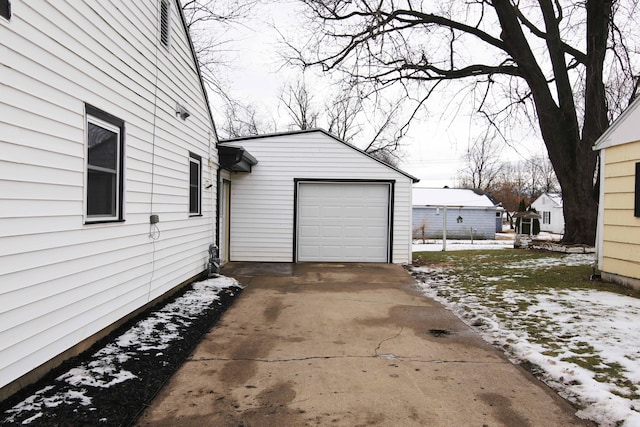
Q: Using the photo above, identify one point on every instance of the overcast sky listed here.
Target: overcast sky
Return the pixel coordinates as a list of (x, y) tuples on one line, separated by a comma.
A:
[(435, 144)]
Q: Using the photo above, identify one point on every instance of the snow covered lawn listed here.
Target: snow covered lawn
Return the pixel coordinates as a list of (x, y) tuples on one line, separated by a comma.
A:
[(578, 336)]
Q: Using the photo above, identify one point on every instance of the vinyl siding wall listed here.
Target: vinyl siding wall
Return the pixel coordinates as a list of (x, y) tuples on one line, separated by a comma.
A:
[(545, 204), (262, 202), (621, 235), (64, 280), (482, 220)]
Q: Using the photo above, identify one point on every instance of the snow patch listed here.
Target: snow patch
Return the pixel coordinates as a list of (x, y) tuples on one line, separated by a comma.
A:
[(570, 325), (104, 370)]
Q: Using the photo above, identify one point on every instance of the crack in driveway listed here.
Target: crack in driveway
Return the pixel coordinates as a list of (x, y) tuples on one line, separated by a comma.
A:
[(302, 359)]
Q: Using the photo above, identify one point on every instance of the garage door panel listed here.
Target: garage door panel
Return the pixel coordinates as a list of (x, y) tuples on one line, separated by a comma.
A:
[(310, 232), (343, 222)]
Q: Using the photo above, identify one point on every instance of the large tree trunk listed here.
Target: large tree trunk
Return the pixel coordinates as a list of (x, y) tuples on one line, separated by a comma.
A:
[(580, 205), (570, 152)]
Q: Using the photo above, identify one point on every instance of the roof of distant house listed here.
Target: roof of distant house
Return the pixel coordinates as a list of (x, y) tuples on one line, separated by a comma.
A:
[(556, 198), (458, 197)]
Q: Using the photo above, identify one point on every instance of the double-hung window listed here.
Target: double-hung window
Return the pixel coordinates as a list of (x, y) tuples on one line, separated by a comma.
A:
[(546, 217), (195, 180), (105, 147)]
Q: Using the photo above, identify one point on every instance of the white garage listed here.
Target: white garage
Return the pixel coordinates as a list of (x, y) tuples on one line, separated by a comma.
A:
[(307, 196), (343, 221)]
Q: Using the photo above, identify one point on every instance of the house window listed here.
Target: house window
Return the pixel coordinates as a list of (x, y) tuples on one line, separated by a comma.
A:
[(546, 217), (195, 179), (165, 21), (5, 9), (636, 210), (105, 147)]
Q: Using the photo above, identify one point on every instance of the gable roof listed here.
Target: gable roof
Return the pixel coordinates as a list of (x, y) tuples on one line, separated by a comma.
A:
[(297, 132), (623, 125), (556, 199), (458, 197)]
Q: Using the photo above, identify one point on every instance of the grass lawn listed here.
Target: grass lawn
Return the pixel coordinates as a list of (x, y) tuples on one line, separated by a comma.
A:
[(578, 335)]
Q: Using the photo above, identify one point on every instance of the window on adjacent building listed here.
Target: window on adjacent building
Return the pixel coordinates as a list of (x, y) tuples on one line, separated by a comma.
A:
[(105, 147), (636, 210), (5, 9), (165, 21), (195, 179), (546, 217)]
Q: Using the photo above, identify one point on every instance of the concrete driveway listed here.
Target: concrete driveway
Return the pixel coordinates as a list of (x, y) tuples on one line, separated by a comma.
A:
[(347, 345)]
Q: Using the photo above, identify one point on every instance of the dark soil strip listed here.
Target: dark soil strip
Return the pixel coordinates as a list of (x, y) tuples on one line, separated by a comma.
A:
[(122, 404)]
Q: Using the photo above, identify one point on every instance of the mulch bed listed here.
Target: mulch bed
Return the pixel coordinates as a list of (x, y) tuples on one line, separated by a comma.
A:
[(120, 404)]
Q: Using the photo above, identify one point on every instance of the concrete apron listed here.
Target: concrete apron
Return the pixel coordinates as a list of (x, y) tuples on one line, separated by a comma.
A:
[(347, 345)]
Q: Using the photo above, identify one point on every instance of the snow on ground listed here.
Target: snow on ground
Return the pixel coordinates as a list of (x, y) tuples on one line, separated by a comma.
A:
[(556, 328), (461, 245), (154, 333), (503, 241)]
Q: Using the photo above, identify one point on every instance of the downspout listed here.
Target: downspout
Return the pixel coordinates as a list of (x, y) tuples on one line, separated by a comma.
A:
[(600, 221)]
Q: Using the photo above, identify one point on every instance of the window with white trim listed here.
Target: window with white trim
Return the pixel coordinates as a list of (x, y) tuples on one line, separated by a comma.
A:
[(195, 184), (546, 217), (105, 147)]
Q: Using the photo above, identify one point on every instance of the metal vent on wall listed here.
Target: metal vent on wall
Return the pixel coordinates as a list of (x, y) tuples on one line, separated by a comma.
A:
[(164, 22), (5, 9)]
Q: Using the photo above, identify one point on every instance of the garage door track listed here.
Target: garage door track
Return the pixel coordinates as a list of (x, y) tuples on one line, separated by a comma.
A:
[(347, 345)]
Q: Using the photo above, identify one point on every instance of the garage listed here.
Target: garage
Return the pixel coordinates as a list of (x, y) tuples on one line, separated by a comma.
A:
[(307, 196), (343, 221)]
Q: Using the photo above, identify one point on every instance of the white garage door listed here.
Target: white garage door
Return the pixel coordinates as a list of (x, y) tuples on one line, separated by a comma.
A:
[(343, 222)]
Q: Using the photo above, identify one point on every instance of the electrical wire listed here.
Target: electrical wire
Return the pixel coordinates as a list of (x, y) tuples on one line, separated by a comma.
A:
[(154, 227)]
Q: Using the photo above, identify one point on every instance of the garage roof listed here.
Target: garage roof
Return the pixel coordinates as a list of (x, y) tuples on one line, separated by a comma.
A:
[(234, 140), (459, 197)]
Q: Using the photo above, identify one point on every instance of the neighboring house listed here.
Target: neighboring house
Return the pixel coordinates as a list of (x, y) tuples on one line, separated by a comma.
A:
[(549, 206), (105, 124), (470, 214), (618, 233), (308, 196)]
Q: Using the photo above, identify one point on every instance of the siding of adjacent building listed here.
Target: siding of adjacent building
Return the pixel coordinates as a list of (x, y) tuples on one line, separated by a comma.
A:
[(262, 202), (621, 235), (477, 223), (64, 280), (544, 203)]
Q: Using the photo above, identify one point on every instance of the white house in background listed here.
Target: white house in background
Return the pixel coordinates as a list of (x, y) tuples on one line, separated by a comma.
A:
[(549, 206), (618, 232), (308, 196), (104, 124), (470, 214)]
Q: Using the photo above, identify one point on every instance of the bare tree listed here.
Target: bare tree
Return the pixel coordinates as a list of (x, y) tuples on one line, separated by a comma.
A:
[(547, 176), (244, 120), (299, 105), (208, 22), (542, 62), (342, 113), (350, 116), (483, 163), (523, 180)]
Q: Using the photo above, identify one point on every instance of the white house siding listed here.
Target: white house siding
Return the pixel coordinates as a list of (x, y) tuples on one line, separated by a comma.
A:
[(477, 223), (64, 280), (550, 204), (262, 202)]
